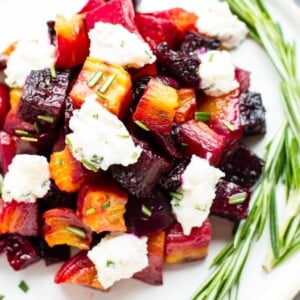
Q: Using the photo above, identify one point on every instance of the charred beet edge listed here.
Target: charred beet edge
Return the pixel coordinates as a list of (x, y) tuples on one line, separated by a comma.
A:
[(51, 32), (138, 88), (43, 98), (172, 181), (242, 167), (150, 214), (221, 205), (56, 198), (252, 113), (194, 41), (140, 178), (52, 255), (182, 67)]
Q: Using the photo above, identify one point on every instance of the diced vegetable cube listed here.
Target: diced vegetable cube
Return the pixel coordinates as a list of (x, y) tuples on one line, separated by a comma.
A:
[(111, 83)]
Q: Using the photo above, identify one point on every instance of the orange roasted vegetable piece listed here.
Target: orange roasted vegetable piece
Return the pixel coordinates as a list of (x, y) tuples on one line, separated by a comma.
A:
[(157, 107), (62, 226), (67, 172), (79, 270), (110, 83), (187, 105), (101, 207), (72, 41)]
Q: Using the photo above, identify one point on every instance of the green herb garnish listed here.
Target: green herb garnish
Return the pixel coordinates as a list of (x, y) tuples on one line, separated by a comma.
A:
[(77, 231), (237, 198), (202, 116), (53, 71), (29, 139), (228, 125), (146, 211), (90, 211), (141, 125), (94, 79), (21, 132), (23, 286), (281, 164), (107, 83), (48, 119), (106, 205), (110, 263)]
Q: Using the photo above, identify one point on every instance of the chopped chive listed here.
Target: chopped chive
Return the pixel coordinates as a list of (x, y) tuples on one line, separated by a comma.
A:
[(106, 205), (211, 57), (148, 54), (48, 119), (36, 127), (53, 71), (90, 211), (202, 116), (176, 195), (47, 81), (146, 211), (29, 139), (141, 125), (23, 286), (21, 132), (200, 208), (107, 83), (228, 125), (1, 297), (89, 165), (237, 198), (96, 116), (94, 79), (122, 44), (102, 96), (68, 142), (96, 159), (59, 162), (77, 231), (110, 263), (1, 184), (134, 155), (125, 136)]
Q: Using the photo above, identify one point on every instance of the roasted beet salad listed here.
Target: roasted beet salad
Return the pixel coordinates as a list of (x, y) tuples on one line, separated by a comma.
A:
[(120, 137)]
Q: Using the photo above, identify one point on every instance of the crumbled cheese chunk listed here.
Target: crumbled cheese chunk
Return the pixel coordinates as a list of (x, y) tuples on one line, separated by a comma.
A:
[(192, 201), (27, 179), (217, 73), (215, 18), (99, 138), (119, 256), (116, 45), (29, 55)]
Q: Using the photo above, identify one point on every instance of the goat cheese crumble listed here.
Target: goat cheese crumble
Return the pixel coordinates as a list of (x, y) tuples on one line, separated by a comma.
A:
[(99, 139), (119, 256), (217, 73), (27, 179), (116, 45), (192, 201), (29, 55)]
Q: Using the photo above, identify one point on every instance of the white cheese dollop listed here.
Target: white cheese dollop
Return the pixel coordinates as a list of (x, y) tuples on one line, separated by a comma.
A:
[(27, 179), (29, 55), (99, 138), (215, 18), (119, 256), (217, 73), (116, 45), (192, 201)]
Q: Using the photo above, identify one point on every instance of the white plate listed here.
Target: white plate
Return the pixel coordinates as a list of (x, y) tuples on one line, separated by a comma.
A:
[(20, 19)]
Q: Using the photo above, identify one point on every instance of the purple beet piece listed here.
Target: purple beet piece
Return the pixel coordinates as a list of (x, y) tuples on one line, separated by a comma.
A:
[(252, 113), (56, 198), (194, 41), (3, 61), (169, 81), (20, 252), (138, 87), (182, 67), (68, 110), (140, 178), (52, 255), (243, 78), (172, 181), (43, 98), (3, 242), (242, 167), (148, 215), (221, 205)]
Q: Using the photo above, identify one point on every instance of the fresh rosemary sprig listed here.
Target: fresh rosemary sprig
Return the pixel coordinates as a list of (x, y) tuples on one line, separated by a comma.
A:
[(282, 164)]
